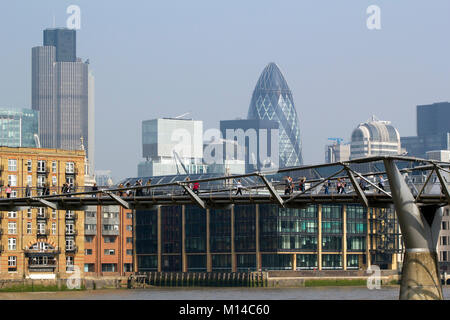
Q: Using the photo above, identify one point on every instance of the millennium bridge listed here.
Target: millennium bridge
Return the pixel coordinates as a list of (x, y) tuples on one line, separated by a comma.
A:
[(418, 209)]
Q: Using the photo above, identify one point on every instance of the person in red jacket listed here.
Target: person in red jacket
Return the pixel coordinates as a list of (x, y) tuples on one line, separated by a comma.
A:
[(196, 187)]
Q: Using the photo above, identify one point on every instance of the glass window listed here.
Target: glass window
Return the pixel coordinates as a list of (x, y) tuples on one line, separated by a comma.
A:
[(69, 263), (12, 261), (12, 227), (306, 261), (12, 243), (70, 167), (54, 170), (12, 165), (12, 214), (12, 180), (53, 227), (41, 166), (29, 228), (29, 166), (109, 252)]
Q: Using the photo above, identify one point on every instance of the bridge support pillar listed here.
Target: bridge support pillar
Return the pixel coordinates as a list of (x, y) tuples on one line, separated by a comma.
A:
[(420, 277), (420, 228)]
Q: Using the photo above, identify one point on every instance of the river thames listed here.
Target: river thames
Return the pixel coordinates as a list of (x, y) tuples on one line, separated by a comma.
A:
[(317, 293)]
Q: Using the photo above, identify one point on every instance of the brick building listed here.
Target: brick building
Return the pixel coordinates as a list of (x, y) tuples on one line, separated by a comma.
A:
[(40, 243)]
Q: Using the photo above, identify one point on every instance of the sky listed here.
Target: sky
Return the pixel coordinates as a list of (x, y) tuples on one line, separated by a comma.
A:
[(156, 59)]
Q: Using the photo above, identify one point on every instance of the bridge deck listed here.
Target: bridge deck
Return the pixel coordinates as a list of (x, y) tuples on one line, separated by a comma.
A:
[(211, 200)]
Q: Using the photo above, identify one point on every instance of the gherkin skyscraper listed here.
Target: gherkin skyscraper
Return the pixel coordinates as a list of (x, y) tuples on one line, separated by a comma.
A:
[(272, 100)]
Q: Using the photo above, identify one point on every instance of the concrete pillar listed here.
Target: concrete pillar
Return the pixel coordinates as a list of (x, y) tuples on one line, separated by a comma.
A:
[(420, 230), (344, 237), (183, 240), (369, 231), (294, 261), (233, 253), (258, 252), (208, 247), (158, 232), (319, 236)]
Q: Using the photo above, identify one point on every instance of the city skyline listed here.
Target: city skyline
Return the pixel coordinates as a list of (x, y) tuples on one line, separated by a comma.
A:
[(334, 64)]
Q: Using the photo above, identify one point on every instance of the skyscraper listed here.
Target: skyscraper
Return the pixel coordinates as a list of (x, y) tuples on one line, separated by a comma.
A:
[(272, 100), (62, 92), (18, 127), (433, 130), (65, 42)]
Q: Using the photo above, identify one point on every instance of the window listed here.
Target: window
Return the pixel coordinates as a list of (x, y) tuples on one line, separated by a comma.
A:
[(41, 228), (110, 239), (70, 228), (30, 180), (29, 228), (129, 227), (54, 181), (70, 244), (12, 165), (53, 214), (69, 263), (109, 267), (12, 214), (12, 261), (109, 252), (41, 167), (129, 240), (90, 227), (90, 214), (88, 252), (88, 239), (29, 166), (69, 214), (129, 215), (12, 243), (12, 228), (130, 252), (40, 213), (29, 214), (41, 181), (53, 166), (12, 180), (110, 227), (70, 167), (53, 227), (89, 267)]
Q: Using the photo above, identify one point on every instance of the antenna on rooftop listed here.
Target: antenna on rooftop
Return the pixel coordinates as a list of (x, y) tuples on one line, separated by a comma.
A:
[(181, 116)]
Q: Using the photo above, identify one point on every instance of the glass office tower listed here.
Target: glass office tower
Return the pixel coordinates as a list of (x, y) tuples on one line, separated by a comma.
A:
[(272, 100), (18, 127)]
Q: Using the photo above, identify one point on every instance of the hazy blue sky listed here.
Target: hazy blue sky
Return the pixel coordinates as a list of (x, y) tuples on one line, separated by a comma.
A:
[(164, 58)]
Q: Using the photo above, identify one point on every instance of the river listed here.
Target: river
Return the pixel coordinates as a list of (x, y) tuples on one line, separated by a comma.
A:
[(317, 293)]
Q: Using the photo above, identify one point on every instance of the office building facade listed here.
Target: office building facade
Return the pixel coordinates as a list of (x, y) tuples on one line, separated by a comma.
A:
[(18, 127), (266, 237), (433, 130), (272, 100), (62, 92), (257, 140), (375, 138), (171, 146)]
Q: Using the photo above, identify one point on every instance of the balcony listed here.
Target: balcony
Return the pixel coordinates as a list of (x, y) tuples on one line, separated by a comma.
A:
[(72, 216), (72, 249), (42, 232), (71, 171), (71, 233), (42, 216), (43, 171), (29, 251)]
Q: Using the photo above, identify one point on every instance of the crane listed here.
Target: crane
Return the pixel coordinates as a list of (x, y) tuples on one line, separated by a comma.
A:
[(338, 140)]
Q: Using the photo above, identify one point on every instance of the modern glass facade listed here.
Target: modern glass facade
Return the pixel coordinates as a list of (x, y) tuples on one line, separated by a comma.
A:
[(265, 237), (272, 100), (18, 127)]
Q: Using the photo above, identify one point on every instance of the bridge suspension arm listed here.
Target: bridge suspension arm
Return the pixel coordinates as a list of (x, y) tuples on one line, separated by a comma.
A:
[(272, 190)]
